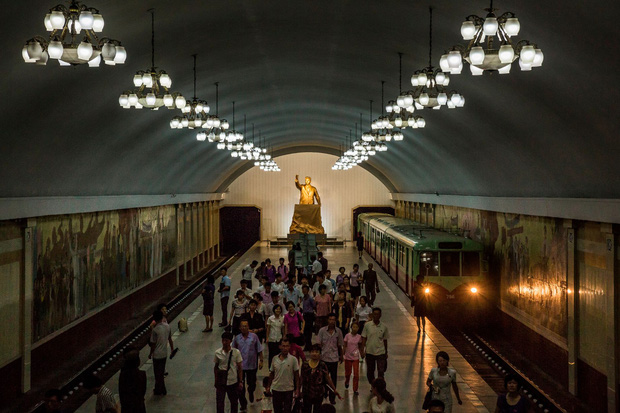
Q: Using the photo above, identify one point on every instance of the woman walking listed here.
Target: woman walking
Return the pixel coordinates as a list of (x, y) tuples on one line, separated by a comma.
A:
[(314, 377), (352, 348), (275, 332), (239, 307), (362, 312), (208, 297), (441, 379), (294, 323), (512, 401), (382, 400)]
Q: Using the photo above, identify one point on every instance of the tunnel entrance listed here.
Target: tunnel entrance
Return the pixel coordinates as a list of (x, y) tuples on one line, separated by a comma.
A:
[(239, 227)]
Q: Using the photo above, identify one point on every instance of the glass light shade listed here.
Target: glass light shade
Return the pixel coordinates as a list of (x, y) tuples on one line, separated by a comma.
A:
[(538, 58), (95, 62), (458, 70), (133, 99), (398, 122), (151, 99), (422, 78), (186, 109), (398, 136), (414, 80), (180, 102), (25, 55), (490, 26), (185, 122), (397, 109), (476, 71), (86, 20), (63, 63), (440, 78), (43, 59), (168, 100), (454, 59), (504, 70), (224, 124), (418, 106), (84, 51), (98, 23), (400, 101), (175, 122), (76, 25), (461, 102), (468, 29), (443, 63), (442, 98), (506, 53), (526, 67), (476, 55), (388, 137), (55, 49), (455, 98), (216, 122), (57, 19), (221, 145), (137, 80), (201, 136), (527, 55), (165, 80), (234, 154), (424, 99), (47, 22), (512, 26), (446, 81), (198, 107), (408, 100), (121, 55), (35, 50), (421, 122), (108, 51), (147, 80), (123, 100)]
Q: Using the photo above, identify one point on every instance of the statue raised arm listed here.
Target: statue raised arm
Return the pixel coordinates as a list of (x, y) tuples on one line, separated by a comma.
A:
[(307, 193)]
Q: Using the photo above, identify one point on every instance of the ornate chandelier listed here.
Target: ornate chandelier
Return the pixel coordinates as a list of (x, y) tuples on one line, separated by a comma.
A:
[(214, 125), (65, 25), (151, 87), (483, 55), (195, 112)]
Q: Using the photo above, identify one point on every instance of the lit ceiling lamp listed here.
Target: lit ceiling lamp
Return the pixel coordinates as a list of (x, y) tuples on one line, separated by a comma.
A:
[(234, 138), (62, 21), (400, 111), (262, 158), (216, 127), (247, 148), (381, 128), (370, 143), (483, 55), (195, 112), (151, 87)]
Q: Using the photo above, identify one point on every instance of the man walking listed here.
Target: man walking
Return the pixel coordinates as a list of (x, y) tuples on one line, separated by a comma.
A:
[(252, 354), (371, 284), (308, 307), (159, 351), (225, 284), (331, 341), (229, 382), (248, 273), (323, 261), (374, 345), (284, 379)]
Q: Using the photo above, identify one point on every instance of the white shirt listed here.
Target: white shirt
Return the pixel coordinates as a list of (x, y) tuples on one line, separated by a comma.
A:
[(275, 328), (326, 283), (363, 312), (284, 372), (384, 407), (248, 271), (316, 267), (221, 361), (278, 287), (159, 337)]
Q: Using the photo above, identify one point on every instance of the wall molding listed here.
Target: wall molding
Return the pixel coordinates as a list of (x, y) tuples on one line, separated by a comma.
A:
[(29, 207), (585, 209)]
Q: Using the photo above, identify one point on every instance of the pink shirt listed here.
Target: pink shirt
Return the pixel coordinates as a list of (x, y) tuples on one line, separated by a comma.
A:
[(292, 323), (323, 305), (351, 346)]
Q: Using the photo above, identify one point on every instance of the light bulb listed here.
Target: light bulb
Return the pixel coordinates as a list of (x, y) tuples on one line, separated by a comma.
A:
[(468, 29), (84, 50), (121, 55), (57, 19), (400, 101), (455, 98), (408, 100), (506, 53), (76, 26), (490, 26), (175, 122), (512, 26), (185, 122), (201, 136), (95, 62), (476, 55), (421, 122), (86, 20), (527, 55), (137, 80), (446, 81), (55, 49), (98, 23), (461, 102)]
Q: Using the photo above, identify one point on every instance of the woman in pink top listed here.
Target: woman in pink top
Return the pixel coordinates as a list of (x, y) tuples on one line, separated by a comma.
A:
[(294, 323), (352, 346), (283, 270), (354, 279), (323, 307)]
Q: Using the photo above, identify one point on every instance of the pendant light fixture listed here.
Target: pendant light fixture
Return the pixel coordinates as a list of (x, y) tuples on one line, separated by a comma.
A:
[(216, 127), (195, 112), (400, 111), (65, 25), (151, 86), (490, 47)]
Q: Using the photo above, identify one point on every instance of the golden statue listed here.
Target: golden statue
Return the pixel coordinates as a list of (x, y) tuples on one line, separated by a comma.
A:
[(307, 192)]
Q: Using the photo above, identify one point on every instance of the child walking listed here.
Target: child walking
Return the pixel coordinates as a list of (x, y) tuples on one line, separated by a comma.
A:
[(352, 345), (266, 402)]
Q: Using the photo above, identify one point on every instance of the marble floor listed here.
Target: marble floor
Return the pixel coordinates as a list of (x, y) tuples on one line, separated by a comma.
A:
[(190, 381)]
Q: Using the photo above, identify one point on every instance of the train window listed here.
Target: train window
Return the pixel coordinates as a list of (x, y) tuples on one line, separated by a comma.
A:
[(450, 263), (471, 264), (429, 264)]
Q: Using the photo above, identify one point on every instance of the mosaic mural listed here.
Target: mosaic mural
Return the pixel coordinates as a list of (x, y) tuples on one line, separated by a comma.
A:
[(83, 261), (528, 252)]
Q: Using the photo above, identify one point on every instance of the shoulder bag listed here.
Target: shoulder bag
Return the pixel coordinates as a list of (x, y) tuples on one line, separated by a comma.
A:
[(221, 378)]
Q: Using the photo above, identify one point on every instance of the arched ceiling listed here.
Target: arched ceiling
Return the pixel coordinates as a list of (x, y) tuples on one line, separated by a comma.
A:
[(302, 72)]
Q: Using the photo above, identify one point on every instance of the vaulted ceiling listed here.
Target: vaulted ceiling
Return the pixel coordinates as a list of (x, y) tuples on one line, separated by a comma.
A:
[(302, 72)]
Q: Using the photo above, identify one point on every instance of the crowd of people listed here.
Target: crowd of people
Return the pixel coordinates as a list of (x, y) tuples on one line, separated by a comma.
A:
[(309, 323)]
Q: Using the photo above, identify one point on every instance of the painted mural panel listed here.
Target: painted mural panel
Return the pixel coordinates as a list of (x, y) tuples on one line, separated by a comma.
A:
[(529, 253), (83, 261)]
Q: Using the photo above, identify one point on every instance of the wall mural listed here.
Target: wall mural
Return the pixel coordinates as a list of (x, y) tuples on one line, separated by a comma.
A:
[(83, 261), (530, 255)]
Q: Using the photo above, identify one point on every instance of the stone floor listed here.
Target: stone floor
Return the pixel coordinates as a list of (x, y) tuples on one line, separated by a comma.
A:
[(190, 380)]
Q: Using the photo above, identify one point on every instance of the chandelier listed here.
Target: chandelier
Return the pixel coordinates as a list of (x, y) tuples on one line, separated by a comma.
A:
[(195, 111), (261, 157), (151, 87), (65, 45), (483, 55)]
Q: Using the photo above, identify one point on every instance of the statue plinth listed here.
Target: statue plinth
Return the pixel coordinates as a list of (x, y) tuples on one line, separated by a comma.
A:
[(307, 220)]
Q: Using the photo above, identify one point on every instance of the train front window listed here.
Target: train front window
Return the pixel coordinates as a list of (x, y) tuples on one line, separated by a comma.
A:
[(471, 264), (450, 263), (429, 264)]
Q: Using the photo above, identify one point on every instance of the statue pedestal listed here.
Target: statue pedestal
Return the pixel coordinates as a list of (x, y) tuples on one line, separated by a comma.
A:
[(307, 220)]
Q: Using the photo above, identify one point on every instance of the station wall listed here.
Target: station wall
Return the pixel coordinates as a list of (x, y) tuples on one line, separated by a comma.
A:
[(276, 195)]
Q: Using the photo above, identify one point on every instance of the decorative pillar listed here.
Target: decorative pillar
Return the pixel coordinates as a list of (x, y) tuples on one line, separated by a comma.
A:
[(572, 287), (179, 257), (26, 304), (611, 292), (216, 204), (210, 223)]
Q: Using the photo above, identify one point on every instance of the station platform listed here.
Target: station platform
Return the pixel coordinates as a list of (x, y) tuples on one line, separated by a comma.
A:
[(411, 356)]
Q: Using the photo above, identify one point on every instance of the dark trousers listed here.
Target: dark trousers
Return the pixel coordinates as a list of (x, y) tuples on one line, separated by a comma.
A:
[(249, 379), (371, 295), (232, 392), (308, 329), (274, 350), (381, 364), (282, 401), (159, 368), (224, 302), (312, 405), (333, 373), (249, 284)]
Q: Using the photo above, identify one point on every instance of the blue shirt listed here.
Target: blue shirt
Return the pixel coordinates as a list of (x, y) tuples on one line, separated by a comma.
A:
[(308, 304), (249, 347), (292, 296), (227, 283)]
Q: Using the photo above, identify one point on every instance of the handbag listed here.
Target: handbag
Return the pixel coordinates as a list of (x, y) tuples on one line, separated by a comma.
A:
[(427, 399), (221, 378)]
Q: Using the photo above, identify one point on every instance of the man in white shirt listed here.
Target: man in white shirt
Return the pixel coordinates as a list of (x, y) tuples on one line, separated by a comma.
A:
[(248, 273), (320, 280), (278, 285), (316, 265), (160, 336), (375, 345), (284, 379), (247, 292), (228, 359)]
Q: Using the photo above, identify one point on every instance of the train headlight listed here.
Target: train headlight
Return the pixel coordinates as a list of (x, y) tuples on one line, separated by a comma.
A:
[(427, 290), (474, 290)]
